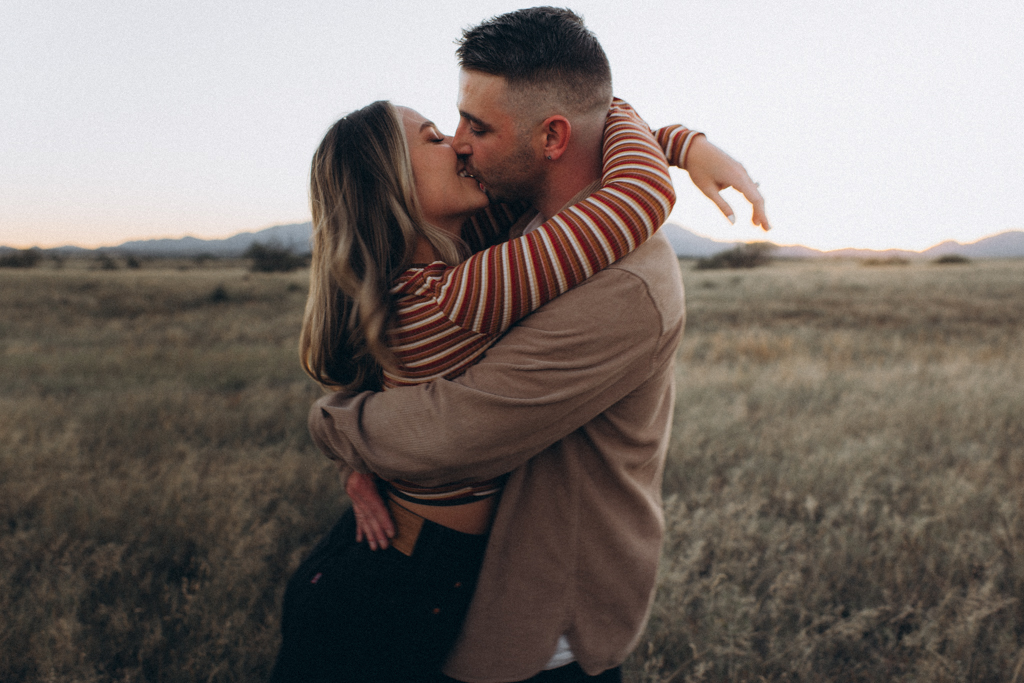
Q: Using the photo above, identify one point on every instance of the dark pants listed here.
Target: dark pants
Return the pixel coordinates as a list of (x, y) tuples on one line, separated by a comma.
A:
[(354, 614), (571, 673)]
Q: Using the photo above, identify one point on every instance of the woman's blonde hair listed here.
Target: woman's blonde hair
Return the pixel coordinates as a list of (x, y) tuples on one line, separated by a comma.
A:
[(366, 220)]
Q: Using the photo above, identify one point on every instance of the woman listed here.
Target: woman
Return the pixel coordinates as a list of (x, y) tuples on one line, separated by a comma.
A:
[(392, 302)]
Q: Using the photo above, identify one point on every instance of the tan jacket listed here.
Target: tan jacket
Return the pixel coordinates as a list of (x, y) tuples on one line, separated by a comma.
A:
[(576, 401)]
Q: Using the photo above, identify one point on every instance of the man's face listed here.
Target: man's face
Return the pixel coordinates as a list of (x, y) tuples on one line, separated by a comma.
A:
[(497, 147)]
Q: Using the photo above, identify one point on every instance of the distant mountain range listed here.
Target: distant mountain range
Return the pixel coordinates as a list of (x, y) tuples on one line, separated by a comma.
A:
[(296, 236), (1004, 245)]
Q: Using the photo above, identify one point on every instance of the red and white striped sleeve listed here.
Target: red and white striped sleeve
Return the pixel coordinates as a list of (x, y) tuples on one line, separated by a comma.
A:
[(493, 289), (675, 140)]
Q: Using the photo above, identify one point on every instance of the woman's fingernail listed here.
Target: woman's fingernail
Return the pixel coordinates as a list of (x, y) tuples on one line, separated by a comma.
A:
[(732, 219)]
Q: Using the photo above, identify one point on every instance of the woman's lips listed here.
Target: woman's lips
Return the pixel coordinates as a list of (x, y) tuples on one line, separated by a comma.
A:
[(464, 173)]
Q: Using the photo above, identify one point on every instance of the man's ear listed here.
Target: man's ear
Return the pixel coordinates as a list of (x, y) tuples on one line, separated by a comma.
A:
[(557, 131)]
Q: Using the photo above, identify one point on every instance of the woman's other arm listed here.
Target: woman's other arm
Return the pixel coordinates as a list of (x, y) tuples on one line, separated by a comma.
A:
[(711, 170), (373, 520)]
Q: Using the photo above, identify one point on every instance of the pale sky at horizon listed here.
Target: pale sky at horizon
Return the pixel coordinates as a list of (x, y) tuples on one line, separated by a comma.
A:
[(868, 124)]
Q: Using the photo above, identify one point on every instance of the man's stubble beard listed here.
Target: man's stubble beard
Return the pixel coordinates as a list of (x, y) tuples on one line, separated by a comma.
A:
[(519, 176)]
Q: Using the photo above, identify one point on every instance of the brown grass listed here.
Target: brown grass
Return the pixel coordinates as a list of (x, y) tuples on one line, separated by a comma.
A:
[(846, 498), (843, 499)]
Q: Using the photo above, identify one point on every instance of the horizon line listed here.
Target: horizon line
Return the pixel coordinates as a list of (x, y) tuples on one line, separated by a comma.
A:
[(765, 237)]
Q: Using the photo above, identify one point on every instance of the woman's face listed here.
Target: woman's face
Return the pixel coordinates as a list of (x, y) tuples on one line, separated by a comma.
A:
[(446, 193)]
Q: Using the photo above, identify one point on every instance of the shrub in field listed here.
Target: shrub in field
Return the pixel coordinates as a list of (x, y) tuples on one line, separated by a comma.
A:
[(105, 261), (887, 261), (271, 258), (951, 259), (741, 256), (219, 294), (22, 258)]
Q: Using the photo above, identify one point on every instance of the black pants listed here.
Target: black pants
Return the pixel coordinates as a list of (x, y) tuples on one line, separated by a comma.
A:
[(571, 673), (354, 614)]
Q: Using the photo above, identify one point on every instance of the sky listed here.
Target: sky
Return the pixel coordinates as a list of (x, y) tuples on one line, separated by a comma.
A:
[(867, 124)]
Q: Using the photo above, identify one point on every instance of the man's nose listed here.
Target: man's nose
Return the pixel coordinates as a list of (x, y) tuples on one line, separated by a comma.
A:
[(460, 142)]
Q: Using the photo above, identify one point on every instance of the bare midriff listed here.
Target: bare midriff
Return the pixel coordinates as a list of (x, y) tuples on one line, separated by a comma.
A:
[(469, 518)]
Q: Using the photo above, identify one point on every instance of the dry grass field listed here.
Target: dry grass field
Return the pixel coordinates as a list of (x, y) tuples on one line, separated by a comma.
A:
[(844, 495)]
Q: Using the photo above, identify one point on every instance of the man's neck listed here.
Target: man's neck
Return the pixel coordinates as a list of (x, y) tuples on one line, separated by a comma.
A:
[(567, 177)]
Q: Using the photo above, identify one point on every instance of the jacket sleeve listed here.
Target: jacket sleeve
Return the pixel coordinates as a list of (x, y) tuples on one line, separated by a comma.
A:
[(551, 374)]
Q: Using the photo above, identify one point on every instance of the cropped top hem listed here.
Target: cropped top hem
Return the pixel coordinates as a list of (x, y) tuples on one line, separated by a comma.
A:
[(453, 494)]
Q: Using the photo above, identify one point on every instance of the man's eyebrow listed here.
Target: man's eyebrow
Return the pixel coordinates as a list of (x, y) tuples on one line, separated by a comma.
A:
[(472, 119)]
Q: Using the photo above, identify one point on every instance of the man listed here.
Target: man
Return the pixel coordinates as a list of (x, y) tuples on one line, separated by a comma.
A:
[(576, 400)]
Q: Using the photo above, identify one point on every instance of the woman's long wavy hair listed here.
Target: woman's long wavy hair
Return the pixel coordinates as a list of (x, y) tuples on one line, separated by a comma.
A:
[(366, 220)]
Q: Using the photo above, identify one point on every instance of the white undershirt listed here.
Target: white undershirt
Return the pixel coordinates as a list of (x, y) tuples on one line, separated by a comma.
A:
[(537, 221), (563, 655)]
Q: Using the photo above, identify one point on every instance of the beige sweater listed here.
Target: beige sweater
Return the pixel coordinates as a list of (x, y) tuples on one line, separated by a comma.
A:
[(576, 401)]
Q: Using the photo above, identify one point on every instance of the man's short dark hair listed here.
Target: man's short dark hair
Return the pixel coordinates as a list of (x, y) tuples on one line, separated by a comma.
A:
[(541, 47)]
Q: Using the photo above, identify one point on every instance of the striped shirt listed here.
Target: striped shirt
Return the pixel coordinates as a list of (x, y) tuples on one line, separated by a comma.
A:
[(447, 316)]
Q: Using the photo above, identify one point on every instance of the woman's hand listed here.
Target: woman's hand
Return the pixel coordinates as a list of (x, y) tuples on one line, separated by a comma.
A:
[(373, 520), (712, 170)]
